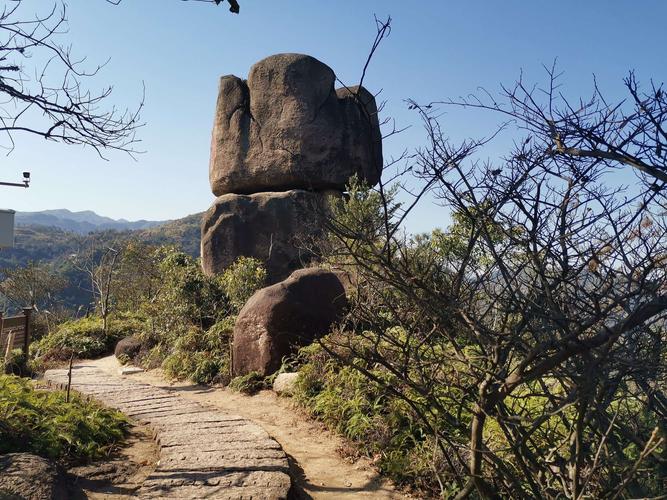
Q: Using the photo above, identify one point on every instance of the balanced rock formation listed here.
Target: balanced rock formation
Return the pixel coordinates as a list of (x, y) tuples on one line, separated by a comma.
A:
[(283, 143), (288, 128), (278, 228), (279, 319)]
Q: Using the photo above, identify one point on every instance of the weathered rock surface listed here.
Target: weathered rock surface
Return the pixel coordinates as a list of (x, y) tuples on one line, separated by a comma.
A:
[(278, 319), (288, 128), (285, 383), (29, 477), (128, 347), (276, 228), (204, 453)]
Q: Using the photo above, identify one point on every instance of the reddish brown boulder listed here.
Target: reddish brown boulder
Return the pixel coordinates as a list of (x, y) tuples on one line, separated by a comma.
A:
[(279, 319)]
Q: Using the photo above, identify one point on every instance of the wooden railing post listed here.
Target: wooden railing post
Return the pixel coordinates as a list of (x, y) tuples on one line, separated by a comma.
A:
[(27, 311)]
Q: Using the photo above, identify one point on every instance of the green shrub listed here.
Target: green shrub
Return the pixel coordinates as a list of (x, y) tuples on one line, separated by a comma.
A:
[(376, 422), (191, 319), (16, 363), (241, 280), (251, 383), (85, 338), (202, 356), (42, 422)]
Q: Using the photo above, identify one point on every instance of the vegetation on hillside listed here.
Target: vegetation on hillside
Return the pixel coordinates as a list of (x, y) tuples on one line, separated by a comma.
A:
[(181, 318), (60, 252)]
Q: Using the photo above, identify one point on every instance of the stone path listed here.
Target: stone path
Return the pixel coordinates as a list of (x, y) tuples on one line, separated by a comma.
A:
[(203, 452)]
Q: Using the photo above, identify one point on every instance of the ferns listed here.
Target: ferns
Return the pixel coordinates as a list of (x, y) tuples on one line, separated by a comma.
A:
[(41, 422)]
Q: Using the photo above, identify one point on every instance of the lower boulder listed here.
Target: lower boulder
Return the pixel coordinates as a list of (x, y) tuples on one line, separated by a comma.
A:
[(277, 228), (279, 319)]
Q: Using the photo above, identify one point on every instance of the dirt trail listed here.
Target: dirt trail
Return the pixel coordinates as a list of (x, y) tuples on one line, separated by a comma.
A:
[(317, 467)]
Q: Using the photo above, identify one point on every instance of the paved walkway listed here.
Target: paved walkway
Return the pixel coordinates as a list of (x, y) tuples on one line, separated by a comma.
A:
[(203, 452)]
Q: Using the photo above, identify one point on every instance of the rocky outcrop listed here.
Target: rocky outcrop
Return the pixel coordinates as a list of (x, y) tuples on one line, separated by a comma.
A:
[(27, 476), (282, 317), (283, 141), (278, 228), (288, 128)]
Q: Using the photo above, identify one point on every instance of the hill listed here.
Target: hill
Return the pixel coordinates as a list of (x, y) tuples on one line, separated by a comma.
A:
[(57, 247), (53, 244), (80, 222)]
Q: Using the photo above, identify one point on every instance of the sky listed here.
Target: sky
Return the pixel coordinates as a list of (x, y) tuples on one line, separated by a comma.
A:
[(177, 50)]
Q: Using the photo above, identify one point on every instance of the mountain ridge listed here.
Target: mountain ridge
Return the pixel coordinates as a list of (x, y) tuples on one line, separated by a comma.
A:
[(81, 222)]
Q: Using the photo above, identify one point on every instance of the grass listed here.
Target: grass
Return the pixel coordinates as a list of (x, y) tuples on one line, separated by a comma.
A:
[(42, 422), (376, 423)]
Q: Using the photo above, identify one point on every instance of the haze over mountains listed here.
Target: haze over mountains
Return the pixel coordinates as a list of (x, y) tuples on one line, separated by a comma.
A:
[(80, 222)]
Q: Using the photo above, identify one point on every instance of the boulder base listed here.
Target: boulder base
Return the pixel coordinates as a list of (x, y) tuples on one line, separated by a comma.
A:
[(288, 128), (276, 228), (283, 317)]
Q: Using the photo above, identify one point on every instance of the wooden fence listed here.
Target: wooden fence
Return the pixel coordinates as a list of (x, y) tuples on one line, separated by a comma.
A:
[(15, 332)]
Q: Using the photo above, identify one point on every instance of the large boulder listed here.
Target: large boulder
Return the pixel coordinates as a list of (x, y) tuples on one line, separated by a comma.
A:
[(288, 128), (283, 317), (277, 228), (128, 348), (29, 477)]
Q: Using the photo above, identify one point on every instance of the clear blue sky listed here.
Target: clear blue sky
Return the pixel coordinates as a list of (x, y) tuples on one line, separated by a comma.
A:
[(437, 49)]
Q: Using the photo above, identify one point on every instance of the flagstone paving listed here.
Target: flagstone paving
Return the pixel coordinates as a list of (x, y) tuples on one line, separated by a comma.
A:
[(203, 452)]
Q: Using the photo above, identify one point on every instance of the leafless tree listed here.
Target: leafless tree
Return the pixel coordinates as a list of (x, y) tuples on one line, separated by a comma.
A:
[(627, 132), (530, 338), (101, 266), (33, 285), (42, 85)]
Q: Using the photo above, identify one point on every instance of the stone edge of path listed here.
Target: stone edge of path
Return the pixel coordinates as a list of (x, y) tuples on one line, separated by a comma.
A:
[(204, 453)]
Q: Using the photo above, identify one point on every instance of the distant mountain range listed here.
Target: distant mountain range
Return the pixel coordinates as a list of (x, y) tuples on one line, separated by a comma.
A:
[(52, 235), (80, 222)]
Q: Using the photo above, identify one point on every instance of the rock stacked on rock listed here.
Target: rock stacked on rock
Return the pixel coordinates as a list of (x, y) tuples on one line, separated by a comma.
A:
[(283, 142)]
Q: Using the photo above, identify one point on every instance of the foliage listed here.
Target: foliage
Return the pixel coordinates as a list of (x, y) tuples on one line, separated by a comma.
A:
[(249, 383), (527, 340), (202, 356), (35, 285), (41, 422), (83, 338), (243, 278), (381, 425), (190, 316), (16, 363), (53, 248)]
